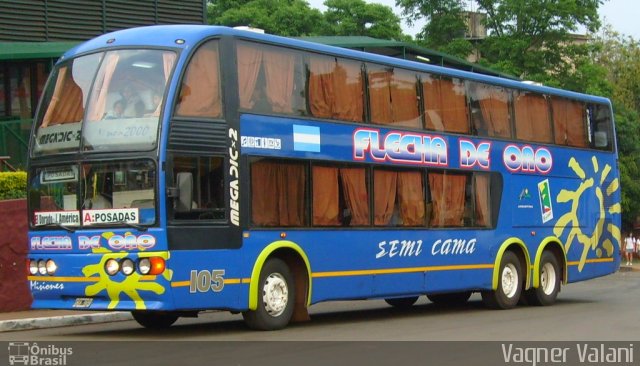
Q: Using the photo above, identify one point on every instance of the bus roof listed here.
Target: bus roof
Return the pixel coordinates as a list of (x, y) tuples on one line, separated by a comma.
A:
[(192, 35)]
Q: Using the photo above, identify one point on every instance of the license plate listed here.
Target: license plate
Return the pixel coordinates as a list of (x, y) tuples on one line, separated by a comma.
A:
[(82, 302)]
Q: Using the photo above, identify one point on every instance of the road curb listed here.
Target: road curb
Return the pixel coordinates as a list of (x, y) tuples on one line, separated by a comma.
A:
[(62, 321)]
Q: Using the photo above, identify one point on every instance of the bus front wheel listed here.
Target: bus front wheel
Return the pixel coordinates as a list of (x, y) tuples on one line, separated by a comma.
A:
[(549, 282), (510, 281), (154, 319), (276, 294)]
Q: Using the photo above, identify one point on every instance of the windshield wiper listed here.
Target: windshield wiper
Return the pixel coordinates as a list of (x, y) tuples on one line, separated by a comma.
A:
[(59, 226)]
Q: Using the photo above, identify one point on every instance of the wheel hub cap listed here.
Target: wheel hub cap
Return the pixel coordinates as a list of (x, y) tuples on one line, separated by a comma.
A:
[(275, 294), (510, 280)]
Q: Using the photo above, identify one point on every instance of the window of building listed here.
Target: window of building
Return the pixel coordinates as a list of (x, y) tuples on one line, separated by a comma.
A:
[(445, 104), (278, 193), (490, 110), (393, 97), (200, 89), (532, 117)]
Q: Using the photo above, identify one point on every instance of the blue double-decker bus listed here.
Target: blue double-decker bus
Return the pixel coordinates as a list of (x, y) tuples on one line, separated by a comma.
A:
[(175, 169)]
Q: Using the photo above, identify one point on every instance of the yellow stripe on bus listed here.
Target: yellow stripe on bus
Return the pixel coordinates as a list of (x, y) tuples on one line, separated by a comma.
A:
[(596, 260), (401, 270)]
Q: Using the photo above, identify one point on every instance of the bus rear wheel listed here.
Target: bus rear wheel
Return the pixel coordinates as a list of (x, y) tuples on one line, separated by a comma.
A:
[(402, 302), (510, 279), (450, 299), (276, 294), (549, 282), (154, 319)]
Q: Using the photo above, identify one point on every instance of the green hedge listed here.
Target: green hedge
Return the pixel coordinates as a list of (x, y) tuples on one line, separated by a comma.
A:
[(13, 185)]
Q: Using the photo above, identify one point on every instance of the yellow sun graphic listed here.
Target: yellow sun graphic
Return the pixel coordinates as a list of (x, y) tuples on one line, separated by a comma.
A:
[(130, 286), (571, 221)]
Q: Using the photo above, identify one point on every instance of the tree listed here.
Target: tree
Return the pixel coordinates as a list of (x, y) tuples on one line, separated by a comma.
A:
[(531, 39), (620, 57), (282, 17), (357, 18), (445, 27)]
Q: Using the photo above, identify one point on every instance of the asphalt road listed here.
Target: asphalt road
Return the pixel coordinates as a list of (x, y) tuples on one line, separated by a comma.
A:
[(593, 312)]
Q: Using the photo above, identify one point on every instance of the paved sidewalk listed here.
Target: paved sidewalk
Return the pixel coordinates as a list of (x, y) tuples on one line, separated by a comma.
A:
[(37, 319)]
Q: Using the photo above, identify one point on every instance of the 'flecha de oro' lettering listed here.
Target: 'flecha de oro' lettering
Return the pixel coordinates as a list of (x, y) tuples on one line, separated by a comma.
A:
[(400, 147)]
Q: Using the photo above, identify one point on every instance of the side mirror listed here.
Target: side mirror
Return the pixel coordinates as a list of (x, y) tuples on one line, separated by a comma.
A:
[(184, 183), (601, 139)]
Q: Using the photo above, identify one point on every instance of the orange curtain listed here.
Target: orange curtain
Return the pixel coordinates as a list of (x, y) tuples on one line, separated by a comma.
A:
[(66, 105), (325, 196), (447, 194), (494, 105), (483, 213), (411, 198), (354, 187), (291, 194), (264, 199), (278, 68), (335, 89), (393, 98), (385, 183), (380, 96), (569, 122), (101, 88), (532, 118), (249, 60), (321, 86), (445, 104), (277, 194), (348, 97), (168, 58), (200, 90), (404, 100)]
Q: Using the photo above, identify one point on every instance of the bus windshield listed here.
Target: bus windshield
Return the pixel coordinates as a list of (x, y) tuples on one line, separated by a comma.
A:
[(109, 101), (120, 193)]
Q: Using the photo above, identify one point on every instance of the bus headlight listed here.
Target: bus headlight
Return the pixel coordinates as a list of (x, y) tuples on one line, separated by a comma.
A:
[(112, 267), (127, 266), (151, 265), (42, 267), (33, 267), (51, 267), (144, 266)]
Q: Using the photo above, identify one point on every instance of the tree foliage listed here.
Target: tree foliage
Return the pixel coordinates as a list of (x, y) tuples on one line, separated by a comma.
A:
[(296, 18), (281, 17), (358, 18), (619, 56), (527, 38)]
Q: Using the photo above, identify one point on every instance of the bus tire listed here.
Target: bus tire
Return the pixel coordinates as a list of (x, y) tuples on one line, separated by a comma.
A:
[(450, 299), (154, 319), (402, 302), (510, 280), (549, 282), (276, 294)]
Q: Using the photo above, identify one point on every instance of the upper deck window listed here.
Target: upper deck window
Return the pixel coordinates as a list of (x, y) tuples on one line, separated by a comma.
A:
[(200, 90), (393, 97), (490, 110), (445, 104), (533, 122)]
